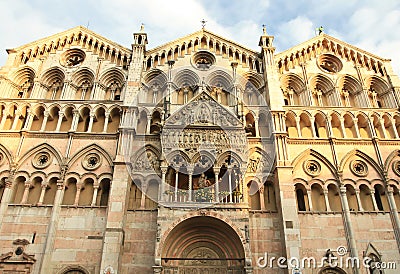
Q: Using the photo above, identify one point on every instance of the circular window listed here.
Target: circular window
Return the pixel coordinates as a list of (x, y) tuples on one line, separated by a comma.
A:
[(19, 251), (41, 160), (72, 58), (203, 60), (329, 63), (312, 167), (395, 166), (359, 168), (91, 161)]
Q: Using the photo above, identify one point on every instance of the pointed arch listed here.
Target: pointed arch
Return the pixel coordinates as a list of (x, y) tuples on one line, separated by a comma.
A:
[(40, 148), (310, 152), (364, 156)]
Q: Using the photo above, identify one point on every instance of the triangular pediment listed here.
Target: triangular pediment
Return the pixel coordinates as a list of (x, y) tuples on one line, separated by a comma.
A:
[(10, 257), (203, 110), (77, 36), (196, 37), (324, 43)]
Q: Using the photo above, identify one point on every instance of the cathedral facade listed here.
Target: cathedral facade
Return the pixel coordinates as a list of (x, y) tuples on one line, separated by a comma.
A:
[(198, 156)]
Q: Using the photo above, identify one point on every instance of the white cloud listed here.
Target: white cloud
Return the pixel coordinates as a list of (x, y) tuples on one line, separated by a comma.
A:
[(294, 32)]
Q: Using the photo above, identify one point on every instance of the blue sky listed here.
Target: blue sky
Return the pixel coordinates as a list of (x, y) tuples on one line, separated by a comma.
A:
[(371, 25)]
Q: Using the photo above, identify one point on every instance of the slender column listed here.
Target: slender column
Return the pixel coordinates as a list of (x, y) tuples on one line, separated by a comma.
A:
[(261, 193), (190, 171), (91, 118), (298, 126), (26, 192), (330, 129), (148, 124), (60, 119), (355, 121), (6, 199), (16, 118), (75, 120), (396, 134), (382, 123), (360, 208), (143, 197), (256, 126), (372, 128), (78, 194), (42, 193), (64, 92), (230, 183), (46, 116), (3, 120), (95, 191), (374, 200), (328, 208), (51, 228), (312, 121), (309, 200), (244, 187), (343, 128), (216, 185), (348, 226), (393, 211), (107, 116), (162, 185), (176, 186), (28, 121)]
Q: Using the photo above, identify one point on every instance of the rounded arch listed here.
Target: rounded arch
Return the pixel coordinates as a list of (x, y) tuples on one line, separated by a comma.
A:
[(23, 75), (186, 77), (155, 73), (293, 81), (251, 77), (52, 75), (220, 78), (73, 269), (83, 75), (111, 75), (213, 231)]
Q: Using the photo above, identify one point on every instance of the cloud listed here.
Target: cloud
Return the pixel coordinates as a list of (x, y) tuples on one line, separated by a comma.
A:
[(294, 32), (369, 25)]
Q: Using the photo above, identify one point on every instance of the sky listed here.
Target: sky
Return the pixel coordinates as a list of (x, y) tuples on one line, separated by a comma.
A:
[(373, 26)]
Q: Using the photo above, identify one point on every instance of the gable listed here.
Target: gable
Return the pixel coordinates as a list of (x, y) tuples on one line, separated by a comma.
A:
[(203, 110), (324, 43), (80, 37)]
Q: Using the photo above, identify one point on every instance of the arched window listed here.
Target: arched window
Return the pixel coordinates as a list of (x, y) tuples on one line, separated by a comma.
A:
[(135, 196), (69, 192), (19, 189), (254, 195), (103, 193), (366, 200), (37, 118), (380, 198), (86, 195), (333, 197), (317, 196), (50, 193), (351, 198), (301, 195)]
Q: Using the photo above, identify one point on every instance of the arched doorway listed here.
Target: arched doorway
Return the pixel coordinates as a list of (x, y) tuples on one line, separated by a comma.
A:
[(203, 245)]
